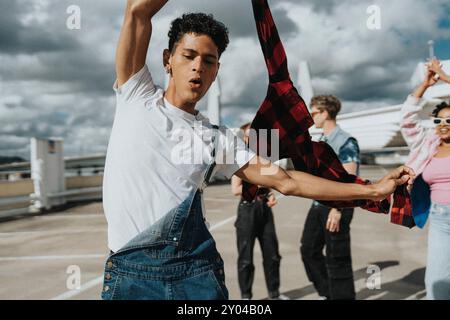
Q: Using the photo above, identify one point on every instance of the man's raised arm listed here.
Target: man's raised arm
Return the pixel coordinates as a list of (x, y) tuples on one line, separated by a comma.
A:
[(135, 37)]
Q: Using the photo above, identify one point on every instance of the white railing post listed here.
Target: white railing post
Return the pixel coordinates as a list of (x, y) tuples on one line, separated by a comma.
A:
[(47, 172)]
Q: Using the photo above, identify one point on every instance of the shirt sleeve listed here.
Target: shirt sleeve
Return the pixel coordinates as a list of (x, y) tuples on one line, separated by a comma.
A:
[(411, 127), (139, 86), (349, 152), (232, 153)]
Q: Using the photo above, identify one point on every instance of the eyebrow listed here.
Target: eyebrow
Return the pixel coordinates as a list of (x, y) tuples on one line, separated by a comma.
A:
[(209, 55)]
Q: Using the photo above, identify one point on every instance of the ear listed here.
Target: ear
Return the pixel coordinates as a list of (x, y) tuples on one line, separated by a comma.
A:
[(217, 72), (166, 59)]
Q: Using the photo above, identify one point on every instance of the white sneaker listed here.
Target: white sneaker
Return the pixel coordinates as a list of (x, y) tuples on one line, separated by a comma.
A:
[(322, 298)]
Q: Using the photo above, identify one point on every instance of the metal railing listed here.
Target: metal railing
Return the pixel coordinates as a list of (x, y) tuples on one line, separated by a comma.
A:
[(24, 204)]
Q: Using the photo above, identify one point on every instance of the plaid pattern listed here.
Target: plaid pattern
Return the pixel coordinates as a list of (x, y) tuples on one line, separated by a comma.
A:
[(285, 110)]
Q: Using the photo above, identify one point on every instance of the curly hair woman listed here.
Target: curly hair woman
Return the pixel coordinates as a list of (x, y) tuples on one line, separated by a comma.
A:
[(430, 158)]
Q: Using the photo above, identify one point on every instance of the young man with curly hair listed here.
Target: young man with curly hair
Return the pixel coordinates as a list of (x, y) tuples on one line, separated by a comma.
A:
[(152, 196)]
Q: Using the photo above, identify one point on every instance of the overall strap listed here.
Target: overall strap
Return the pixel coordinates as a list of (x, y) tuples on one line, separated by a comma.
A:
[(209, 171), (212, 165)]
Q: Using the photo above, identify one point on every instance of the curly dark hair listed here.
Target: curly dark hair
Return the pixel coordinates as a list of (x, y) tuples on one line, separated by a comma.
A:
[(440, 107), (200, 24)]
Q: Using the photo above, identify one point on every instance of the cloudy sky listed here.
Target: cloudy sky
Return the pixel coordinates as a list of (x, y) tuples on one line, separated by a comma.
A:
[(57, 82)]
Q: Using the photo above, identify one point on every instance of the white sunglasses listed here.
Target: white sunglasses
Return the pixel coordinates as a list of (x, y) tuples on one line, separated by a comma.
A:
[(439, 121)]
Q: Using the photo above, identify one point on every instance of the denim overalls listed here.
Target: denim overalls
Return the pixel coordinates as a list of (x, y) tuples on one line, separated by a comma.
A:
[(174, 259)]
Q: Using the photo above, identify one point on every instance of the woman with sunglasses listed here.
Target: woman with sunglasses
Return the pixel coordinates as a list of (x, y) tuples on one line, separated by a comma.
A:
[(430, 158)]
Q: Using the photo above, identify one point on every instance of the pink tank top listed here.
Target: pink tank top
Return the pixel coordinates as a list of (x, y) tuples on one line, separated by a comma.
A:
[(437, 175)]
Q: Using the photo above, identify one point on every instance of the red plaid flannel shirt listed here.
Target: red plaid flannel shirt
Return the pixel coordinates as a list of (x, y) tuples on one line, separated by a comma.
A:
[(285, 110)]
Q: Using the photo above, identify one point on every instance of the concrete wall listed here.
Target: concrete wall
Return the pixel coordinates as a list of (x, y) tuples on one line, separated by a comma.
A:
[(83, 182), (25, 187), (16, 188)]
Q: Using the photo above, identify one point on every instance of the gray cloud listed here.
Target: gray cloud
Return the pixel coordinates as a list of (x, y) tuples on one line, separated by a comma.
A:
[(237, 15), (57, 82), (16, 37)]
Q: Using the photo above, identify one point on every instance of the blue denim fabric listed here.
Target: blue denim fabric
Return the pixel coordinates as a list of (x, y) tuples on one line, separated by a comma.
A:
[(345, 146), (421, 201), (349, 152), (174, 259), (437, 275)]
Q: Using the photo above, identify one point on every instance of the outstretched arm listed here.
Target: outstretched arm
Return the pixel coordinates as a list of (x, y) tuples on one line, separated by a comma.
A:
[(411, 127), (135, 37), (295, 183)]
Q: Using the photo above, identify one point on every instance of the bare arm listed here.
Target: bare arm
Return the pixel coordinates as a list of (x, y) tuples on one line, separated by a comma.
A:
[(135, 37), (445, 78), (236, 185), (411, 126), (262, 172), (236, 189)]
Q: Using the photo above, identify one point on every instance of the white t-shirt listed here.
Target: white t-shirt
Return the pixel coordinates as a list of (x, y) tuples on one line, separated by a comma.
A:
[(156, 156)]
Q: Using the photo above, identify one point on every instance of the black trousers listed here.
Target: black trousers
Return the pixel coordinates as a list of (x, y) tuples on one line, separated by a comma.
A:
[(332, 274), (255, 220)]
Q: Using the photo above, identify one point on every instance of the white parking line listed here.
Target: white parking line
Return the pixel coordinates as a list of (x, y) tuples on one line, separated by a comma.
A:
[(377, 296), (222, 223), (97, 281), (84, 287), (416, 295)]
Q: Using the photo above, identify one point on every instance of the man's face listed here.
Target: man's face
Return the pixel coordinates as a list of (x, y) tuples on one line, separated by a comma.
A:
[(194, 64), (319, 116)]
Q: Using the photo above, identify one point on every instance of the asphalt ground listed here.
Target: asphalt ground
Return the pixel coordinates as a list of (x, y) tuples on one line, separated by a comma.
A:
[(41, 256)]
